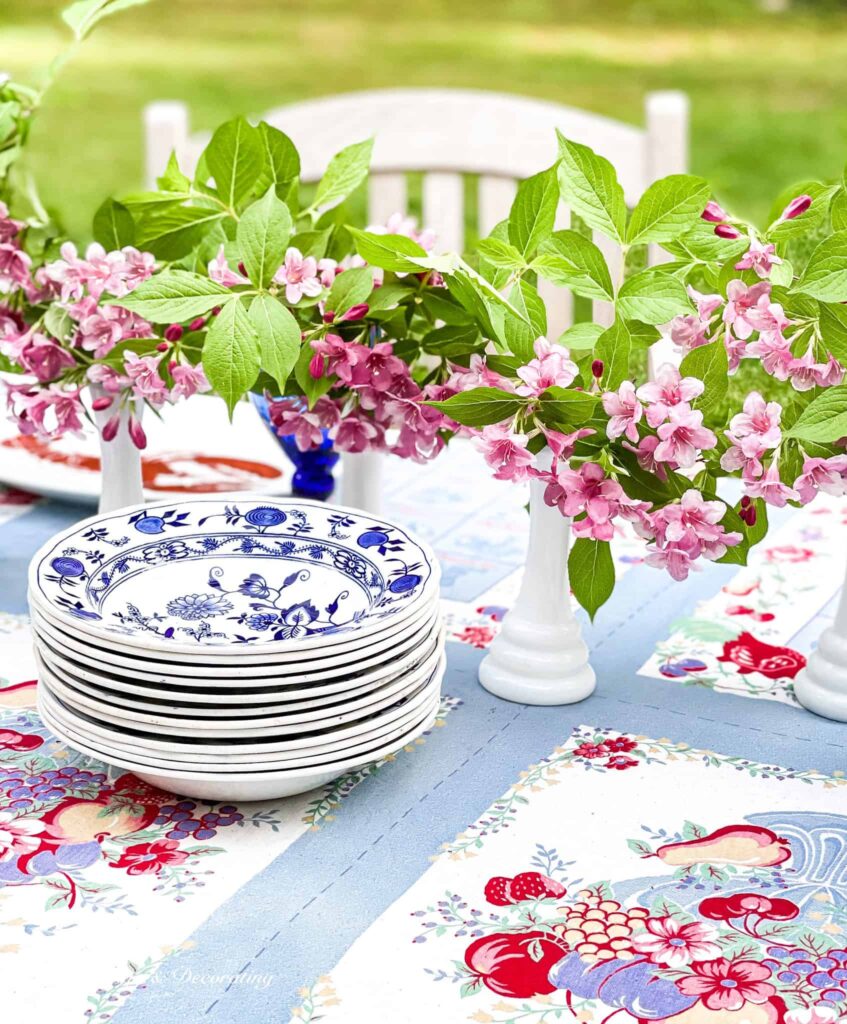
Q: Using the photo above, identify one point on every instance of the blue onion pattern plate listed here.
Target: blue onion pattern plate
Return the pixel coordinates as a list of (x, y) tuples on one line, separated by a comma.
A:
[(235, 573)]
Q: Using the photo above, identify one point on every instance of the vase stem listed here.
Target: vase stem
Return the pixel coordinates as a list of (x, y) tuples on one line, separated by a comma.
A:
[(120, 460), (539, 656), (361, 481), (822, 685)]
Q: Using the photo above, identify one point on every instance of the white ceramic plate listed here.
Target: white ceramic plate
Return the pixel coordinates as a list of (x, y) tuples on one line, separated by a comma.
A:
[(264, 762), (235, 578), (236, 786), (190, 450), (280, 739), (305, 671), (236, 701), (261, 723)]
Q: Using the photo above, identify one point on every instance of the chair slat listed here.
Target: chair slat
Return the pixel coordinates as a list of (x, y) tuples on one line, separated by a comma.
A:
[(495, 201), (386, 196), (443, 210)]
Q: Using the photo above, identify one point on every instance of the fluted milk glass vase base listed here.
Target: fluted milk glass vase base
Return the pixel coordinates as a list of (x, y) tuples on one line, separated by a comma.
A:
[(822, 685), (120, 460), (539, 656), (361, 480)]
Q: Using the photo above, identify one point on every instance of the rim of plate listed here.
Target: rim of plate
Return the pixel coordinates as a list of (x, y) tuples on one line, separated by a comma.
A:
[(178, 725), (209, 700), (46, 699), (331, 770), (304, 760), (233, 667), (345, 635)]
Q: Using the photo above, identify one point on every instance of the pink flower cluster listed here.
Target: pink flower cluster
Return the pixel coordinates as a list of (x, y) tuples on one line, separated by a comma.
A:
[(665, 406), (685, 531), (301, 275), (748, 311), (588, 493), (382, 396)]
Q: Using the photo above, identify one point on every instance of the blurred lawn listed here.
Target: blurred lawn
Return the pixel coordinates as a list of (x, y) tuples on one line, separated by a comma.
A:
[(768, 92)]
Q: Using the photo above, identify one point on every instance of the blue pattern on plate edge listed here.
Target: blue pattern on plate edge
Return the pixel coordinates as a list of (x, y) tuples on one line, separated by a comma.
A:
[(379, 571)]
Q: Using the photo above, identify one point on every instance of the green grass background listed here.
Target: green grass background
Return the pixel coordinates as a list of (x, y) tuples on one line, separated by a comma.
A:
[(768, 91)]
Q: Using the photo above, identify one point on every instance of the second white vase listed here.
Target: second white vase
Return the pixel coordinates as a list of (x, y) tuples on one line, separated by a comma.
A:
[(120, 461), (539, 656)]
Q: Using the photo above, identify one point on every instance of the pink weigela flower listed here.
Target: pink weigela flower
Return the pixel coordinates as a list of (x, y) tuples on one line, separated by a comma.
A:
[(552, 367)]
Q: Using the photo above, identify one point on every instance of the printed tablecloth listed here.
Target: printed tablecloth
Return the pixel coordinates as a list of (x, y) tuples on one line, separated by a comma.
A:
[(674, 848)]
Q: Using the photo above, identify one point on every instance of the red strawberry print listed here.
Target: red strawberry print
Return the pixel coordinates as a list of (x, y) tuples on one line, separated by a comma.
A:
[(532, 885), (497, 891)]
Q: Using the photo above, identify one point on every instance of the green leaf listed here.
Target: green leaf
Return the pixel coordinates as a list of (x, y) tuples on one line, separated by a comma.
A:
[(708, 363), (581, 337), (173, 180), (566, 407), (825, 276), (479, 407), (589, 185), (451, 340), (591, 573), (346, 171), (822, 196), (667, 209), (113, 226), (534, 211), (279, 338), (521, 334), (282, 161), (501, 254), (701, 244), (175, 231), (390, 252), (389, 296), (231, 353), (58, 322), (262, 236), (82, 16), (312, 243), (350, 288), (838, 211), (312, 387), (824, 419), (613, 347), (173, 297), (235, 157), (569, 258), (653, 296), (833, 328)]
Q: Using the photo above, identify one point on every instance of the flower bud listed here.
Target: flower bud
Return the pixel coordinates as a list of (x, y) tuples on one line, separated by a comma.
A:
[(197, 324), (110, 428), (316, 366), (216, 310), (136, 433), (726, 231), (99, 404), (356, 312), (745, 501), (242, 269), (173, 332), (597, 368), (714, 212), (750, 517), (329, 316), (163, 346), (797, 206)]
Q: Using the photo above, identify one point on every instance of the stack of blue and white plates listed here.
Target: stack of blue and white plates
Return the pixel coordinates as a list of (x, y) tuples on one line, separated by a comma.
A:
[(237, 648)]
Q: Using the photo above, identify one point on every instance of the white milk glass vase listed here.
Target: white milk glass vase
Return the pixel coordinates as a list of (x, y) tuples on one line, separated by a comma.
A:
[(822, 685), (120, 460), (361, 480), (539, 656)]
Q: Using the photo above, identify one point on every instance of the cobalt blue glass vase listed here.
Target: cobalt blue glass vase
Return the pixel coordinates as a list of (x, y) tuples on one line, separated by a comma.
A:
[(313, 469)]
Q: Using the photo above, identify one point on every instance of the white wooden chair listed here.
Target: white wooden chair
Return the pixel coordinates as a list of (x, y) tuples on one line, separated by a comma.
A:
[(448, 133)]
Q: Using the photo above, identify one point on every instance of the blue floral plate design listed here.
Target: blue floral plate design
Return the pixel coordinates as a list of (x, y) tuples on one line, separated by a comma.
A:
[(233, 573)]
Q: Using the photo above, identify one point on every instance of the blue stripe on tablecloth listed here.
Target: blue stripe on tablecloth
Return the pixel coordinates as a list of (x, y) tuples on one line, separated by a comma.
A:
[(20, 538), (295, 919)]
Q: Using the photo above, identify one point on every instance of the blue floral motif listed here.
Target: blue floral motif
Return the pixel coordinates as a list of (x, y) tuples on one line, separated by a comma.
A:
[(265, 516), (254, 586), (66, 566), (198, 606)]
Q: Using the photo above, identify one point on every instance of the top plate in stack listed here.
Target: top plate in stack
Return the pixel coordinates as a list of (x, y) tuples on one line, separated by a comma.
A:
[(233, 581)]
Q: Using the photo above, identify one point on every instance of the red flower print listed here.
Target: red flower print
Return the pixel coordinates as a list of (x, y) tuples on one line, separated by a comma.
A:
[(528, 885), (620, 762), (724, 908), (11, 739), (728, 984), (789, 553), (620, 745), (591, 750), (514, 965), (477, 636), (752, 655), (143, 858), (739, 609)]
